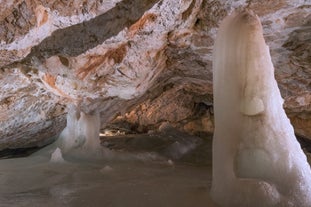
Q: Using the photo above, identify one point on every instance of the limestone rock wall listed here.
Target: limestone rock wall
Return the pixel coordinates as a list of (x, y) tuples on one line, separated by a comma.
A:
[(287, 32), (141, 62)]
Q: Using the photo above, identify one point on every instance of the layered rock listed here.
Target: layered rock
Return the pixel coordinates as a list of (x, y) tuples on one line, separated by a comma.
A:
[(286, 28), (144, 62)]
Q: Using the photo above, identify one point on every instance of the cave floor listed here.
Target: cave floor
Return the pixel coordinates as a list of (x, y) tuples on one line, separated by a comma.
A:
[(170, 169), (163, 171)]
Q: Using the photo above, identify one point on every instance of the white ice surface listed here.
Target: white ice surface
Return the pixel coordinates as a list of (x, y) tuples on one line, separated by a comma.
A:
[(257, 160)]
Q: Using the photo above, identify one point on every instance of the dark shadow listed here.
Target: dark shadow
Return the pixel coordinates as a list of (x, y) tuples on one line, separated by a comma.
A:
[(19, 152), (305, 143), (79, 38)]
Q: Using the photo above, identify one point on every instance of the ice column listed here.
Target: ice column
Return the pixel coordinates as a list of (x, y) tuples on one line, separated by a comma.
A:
[(257, 160), (81, 132)]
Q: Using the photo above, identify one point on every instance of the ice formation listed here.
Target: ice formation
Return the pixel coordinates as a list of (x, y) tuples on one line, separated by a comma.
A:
[(257, 160), (81, 133), (106, 169), (57, 156)]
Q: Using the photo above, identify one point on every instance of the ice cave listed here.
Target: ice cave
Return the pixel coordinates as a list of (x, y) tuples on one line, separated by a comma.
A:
[(177, 103)]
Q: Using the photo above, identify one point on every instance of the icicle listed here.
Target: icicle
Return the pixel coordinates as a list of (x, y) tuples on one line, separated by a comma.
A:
[(257, 160)]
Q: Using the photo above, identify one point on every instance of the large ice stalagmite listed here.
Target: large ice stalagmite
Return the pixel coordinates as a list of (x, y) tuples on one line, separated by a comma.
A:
[(257, 160)]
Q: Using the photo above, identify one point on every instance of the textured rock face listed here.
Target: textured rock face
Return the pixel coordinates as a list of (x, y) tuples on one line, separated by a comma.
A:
[(144, 62)]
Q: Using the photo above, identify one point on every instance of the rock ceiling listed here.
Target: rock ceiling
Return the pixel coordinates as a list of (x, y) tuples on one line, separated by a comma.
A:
[(143, 63)]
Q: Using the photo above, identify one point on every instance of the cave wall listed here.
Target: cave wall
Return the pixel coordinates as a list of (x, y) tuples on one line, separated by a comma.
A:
[(141, 64)]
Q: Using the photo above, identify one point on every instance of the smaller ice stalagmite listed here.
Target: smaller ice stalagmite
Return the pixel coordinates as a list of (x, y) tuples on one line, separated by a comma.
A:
[(257, 160), (81, 133), (57, 156)]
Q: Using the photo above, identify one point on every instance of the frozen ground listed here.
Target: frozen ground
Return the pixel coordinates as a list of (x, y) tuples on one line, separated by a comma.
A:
[(123, 179), (159, 170)]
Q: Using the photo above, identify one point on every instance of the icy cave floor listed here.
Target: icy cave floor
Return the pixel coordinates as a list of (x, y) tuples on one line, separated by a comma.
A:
[(136, 170), (171, 169)]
